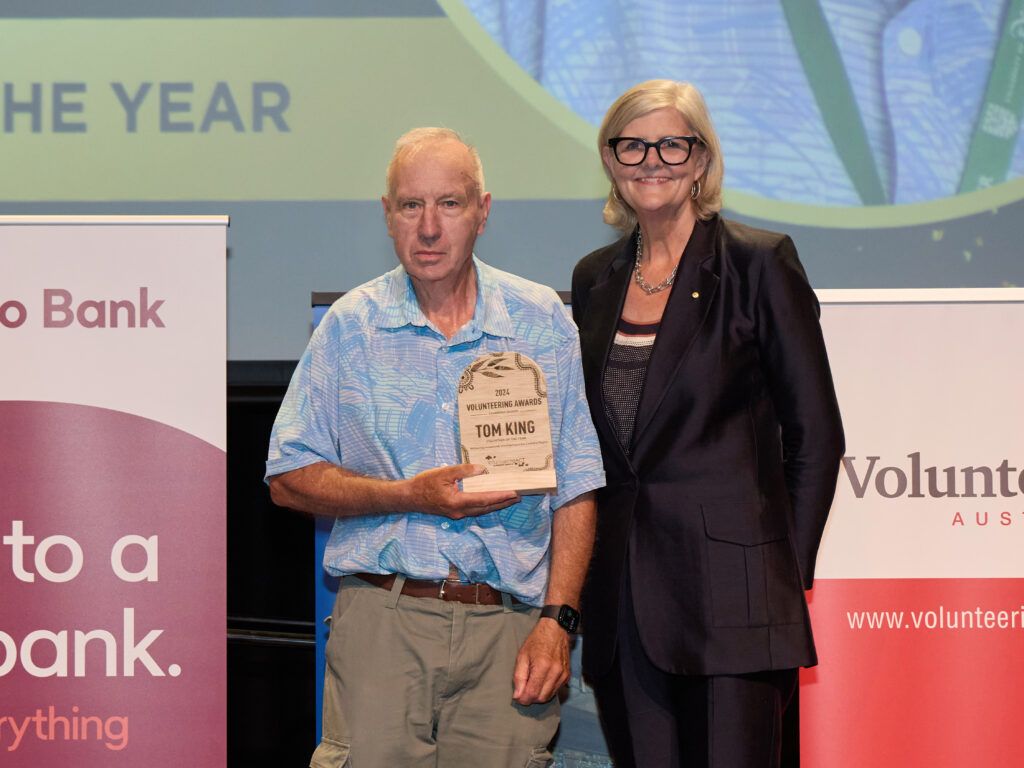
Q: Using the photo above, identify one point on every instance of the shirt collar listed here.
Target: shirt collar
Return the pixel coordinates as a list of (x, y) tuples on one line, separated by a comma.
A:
[(490, 315)]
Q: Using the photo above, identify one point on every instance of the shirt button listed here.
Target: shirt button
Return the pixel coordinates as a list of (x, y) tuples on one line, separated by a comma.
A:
[(910, 41), (446, 407), (446, 525)]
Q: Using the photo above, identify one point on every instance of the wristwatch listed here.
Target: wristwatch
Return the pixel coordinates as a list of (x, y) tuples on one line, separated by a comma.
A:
[(568, 618)]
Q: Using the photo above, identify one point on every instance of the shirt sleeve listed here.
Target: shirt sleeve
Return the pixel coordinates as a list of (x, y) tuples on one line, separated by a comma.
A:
[(578, 460), (306, 428)]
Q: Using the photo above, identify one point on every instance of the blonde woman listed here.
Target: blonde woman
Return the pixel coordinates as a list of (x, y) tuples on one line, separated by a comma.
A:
[(710, 389)]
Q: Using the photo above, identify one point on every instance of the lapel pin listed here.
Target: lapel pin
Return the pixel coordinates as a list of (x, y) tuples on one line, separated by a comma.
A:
[(695, 294)]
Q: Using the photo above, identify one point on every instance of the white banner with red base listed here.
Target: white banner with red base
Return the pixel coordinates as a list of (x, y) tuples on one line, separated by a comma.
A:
[(918, 603)]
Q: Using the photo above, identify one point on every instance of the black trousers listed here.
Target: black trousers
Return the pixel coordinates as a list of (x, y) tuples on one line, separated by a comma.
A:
[(655, 719)]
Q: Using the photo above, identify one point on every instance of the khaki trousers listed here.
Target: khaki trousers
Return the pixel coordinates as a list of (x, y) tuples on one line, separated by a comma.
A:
[(414, 682)]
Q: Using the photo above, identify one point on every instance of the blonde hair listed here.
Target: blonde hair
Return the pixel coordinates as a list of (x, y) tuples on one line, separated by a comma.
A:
[(643, 99), (412, 142)]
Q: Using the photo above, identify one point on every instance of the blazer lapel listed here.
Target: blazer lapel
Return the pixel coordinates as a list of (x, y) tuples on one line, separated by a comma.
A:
[(597, 332), (684, 315)]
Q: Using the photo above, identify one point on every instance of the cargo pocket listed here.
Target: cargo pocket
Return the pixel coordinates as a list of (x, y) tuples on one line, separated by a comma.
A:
[(742, 539), (540, 758), (330, 754)]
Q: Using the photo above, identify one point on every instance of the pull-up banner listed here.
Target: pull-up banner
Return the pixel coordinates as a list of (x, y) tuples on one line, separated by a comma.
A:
[(918, 603), (112, 491)]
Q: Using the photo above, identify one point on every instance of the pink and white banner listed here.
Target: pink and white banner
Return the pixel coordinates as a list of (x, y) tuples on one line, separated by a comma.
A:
[(112, 491), (918, 604)]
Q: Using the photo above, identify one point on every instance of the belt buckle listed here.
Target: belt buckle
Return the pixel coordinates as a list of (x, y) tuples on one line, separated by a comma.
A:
[(476, 588)]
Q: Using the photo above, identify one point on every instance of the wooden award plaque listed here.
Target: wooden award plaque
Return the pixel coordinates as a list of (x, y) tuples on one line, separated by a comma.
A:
[(504, 424)]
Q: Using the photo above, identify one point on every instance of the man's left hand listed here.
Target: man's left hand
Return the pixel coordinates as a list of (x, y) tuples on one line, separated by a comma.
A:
[(542, 666)]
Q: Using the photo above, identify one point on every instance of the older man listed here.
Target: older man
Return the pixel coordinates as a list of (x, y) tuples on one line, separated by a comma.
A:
[(440, 653)]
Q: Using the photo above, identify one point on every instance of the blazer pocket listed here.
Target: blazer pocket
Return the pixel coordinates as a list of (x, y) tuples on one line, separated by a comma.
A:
[(744, 546)]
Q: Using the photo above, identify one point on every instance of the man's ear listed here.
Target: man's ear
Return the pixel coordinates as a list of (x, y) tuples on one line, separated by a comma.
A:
[(485, 207), (386, 202)]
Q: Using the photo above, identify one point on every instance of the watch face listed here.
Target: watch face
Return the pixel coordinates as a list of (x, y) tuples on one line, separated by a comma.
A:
[(569, 619)]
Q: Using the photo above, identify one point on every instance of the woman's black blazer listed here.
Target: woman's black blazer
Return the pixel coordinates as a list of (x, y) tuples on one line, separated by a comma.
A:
[(719, 507)]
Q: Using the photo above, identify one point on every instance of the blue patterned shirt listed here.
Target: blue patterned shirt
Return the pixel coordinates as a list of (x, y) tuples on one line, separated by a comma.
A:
[(375, 392)]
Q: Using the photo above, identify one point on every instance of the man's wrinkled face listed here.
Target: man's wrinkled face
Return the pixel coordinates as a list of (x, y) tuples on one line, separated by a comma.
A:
[(435, 212)]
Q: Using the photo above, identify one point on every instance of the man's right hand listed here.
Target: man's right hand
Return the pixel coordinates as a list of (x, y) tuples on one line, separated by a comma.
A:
[(436, 492)]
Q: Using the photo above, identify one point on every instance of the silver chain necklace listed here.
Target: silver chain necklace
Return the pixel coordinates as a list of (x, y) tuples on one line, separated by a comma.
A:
[(638, 277)]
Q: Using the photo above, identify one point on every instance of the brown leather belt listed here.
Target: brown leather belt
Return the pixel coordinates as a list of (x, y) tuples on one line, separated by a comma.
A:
[(443, 589)]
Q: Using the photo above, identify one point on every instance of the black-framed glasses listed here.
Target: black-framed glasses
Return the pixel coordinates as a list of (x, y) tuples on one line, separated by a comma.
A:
[(673, 150)]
